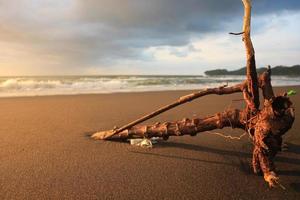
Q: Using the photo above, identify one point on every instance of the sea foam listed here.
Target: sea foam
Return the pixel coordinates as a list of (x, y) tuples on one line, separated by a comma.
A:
[(64, 85)]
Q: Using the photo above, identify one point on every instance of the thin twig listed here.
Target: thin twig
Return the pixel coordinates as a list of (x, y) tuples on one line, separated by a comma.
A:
[(240, 33)]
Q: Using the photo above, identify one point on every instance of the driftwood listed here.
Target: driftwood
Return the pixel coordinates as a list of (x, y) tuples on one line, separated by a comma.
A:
[(188, 98), (265, 125)]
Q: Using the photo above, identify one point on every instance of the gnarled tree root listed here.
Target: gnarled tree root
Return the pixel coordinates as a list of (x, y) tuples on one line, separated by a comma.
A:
[(266, 126)]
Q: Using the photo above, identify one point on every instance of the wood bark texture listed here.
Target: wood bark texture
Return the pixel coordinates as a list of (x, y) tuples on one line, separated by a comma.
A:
[(265, 125)]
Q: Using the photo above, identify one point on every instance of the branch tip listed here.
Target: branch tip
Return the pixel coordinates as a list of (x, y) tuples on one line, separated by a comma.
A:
[(240, 33)]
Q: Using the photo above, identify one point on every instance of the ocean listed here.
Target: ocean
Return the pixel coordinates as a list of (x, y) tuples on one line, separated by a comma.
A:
[(67, 85)]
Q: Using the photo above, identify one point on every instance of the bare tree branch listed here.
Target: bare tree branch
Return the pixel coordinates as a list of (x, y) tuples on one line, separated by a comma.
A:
[(240, 33), (218, 91), (250, 55)]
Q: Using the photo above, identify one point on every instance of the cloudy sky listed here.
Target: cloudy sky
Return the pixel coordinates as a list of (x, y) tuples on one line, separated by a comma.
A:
[(67, 37)]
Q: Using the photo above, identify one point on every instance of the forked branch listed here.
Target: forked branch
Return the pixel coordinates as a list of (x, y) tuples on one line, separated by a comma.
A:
[(218, 91), (266, 125)]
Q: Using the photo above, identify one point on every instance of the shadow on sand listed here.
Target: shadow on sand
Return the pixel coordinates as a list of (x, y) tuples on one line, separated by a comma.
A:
[(293, 148), (295, 187), (243, 163)]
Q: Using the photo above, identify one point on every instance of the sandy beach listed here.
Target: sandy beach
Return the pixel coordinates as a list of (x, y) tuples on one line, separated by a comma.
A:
[(46, 153)]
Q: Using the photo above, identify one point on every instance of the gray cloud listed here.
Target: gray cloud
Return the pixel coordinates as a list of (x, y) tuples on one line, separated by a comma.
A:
[(89, 32)]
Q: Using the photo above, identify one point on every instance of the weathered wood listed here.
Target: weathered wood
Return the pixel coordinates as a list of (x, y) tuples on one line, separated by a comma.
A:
[(229, 118), (265, 84), (250, 57), (266, 126), (275, 119), (218, 91)]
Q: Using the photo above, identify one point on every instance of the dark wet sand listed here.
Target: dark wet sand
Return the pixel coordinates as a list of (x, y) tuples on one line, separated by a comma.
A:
[(45, 152)]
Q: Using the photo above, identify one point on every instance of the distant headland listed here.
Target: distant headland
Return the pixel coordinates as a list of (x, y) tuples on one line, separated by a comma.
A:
[(276, 71)]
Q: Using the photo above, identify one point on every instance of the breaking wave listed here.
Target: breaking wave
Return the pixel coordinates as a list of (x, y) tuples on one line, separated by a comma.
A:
[(60, 85)]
